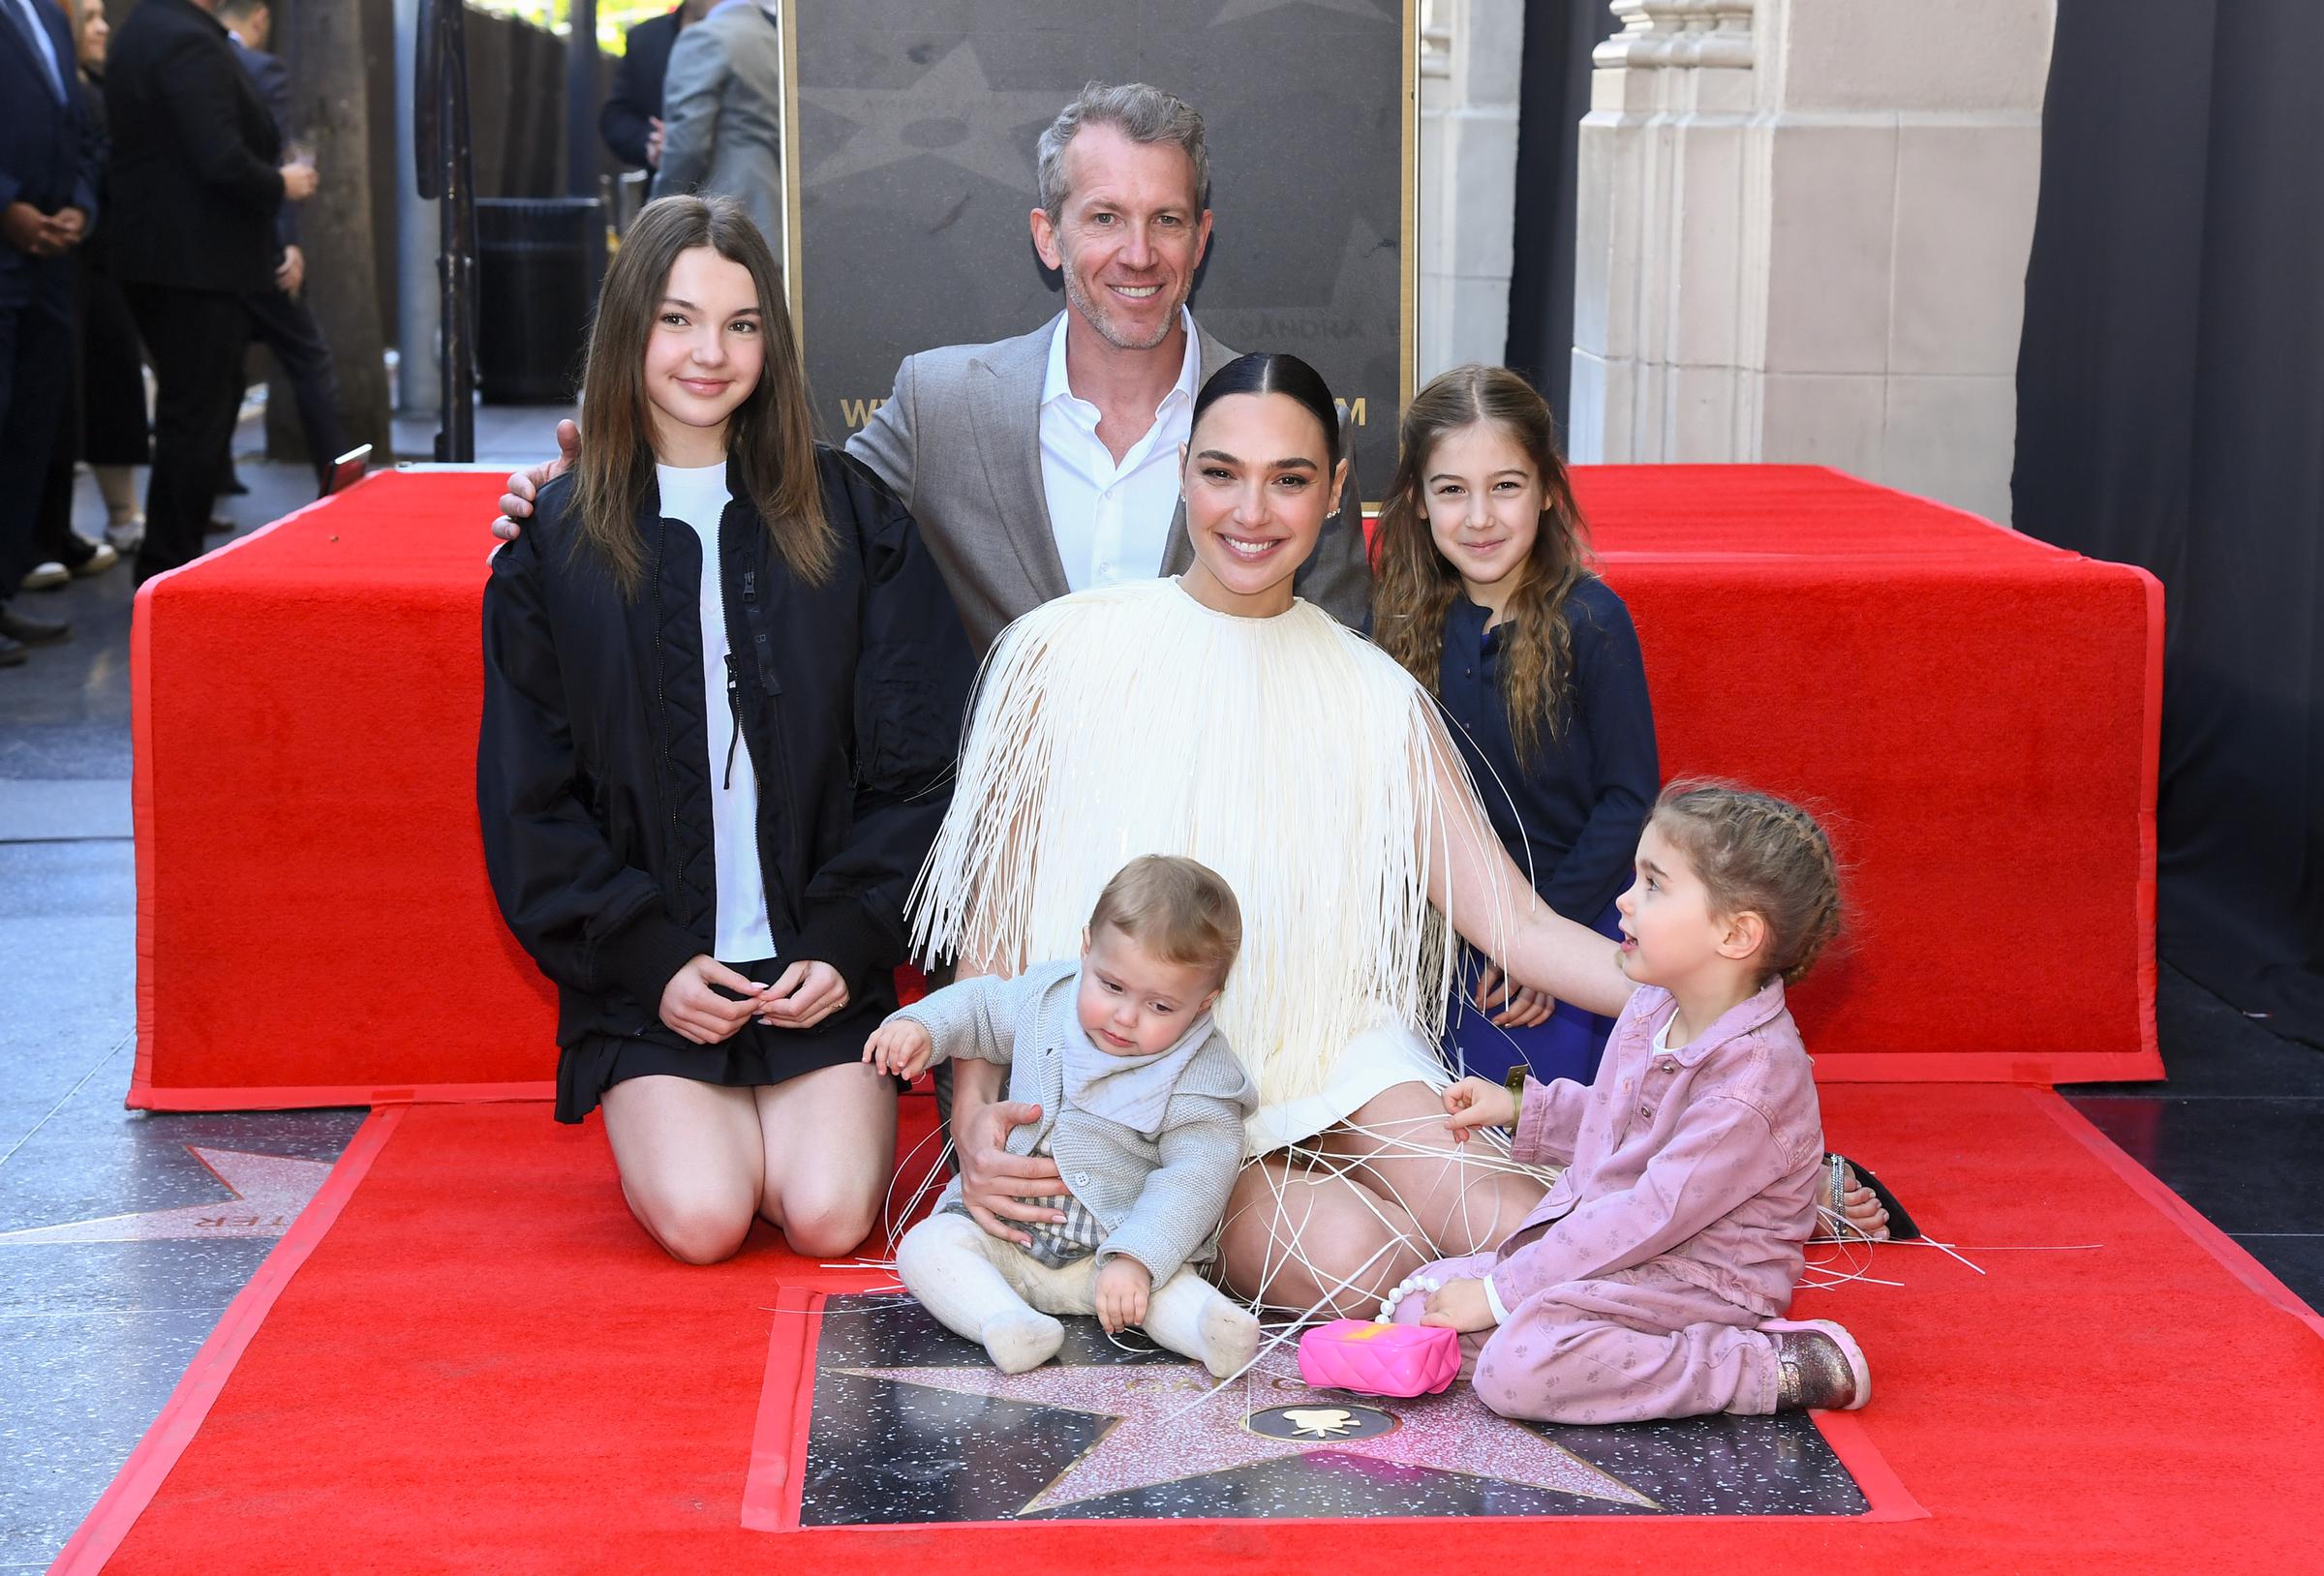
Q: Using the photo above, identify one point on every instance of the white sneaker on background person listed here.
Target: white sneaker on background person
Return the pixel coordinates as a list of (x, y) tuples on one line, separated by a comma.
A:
[(97, 558)]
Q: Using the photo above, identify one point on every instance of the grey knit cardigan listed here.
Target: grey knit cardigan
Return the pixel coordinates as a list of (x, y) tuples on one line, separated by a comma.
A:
[(1160, 1196)]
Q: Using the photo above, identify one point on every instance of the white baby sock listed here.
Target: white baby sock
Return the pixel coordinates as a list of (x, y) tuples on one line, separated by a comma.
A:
[(943, 1262)]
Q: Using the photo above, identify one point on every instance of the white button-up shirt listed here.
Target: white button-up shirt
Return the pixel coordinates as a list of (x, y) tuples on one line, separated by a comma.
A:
[(1112, 520)]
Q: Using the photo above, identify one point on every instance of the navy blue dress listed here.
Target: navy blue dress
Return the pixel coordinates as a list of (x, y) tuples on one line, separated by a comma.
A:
[(1571, 816)]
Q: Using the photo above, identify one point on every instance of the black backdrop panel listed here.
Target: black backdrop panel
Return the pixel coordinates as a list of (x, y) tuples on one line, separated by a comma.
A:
[(2171, 414), (914, 137), (1554, 95)]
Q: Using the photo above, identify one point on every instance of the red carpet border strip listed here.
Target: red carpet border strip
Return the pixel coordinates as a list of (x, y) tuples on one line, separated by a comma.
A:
[(181, 1418)]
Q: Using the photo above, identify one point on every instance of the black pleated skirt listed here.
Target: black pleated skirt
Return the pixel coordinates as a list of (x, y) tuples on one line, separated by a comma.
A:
[(757, 1054)]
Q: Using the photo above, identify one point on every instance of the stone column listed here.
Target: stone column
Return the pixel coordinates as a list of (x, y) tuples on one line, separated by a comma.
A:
[(1470, 54), (1803, 228)]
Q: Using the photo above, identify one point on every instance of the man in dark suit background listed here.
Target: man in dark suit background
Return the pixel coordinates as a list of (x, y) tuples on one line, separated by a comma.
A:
[(279, 316), (195, 181), (631, 120), (48, 204)]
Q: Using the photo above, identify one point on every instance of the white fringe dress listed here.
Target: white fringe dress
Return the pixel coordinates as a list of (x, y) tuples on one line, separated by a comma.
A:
[(1287, 753)]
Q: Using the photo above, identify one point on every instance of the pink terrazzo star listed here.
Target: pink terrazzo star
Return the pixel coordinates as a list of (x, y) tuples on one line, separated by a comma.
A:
[(268, 1192), (1161, 1434)]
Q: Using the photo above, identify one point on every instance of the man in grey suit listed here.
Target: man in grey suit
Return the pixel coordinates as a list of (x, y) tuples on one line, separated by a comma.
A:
[(1049, 463), (721, 113)]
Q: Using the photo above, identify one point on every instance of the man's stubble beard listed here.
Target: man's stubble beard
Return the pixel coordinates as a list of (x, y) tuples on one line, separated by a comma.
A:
[(1097, 319)]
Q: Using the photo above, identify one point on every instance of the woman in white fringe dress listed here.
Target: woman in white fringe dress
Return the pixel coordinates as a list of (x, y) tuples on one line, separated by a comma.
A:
[(1217, 716)]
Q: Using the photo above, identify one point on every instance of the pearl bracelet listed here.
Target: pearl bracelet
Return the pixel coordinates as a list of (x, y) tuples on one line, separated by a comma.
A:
[(1405, 1288)]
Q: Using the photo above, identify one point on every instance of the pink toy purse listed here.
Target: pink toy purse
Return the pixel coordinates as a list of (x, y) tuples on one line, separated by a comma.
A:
[(1372, 1358)]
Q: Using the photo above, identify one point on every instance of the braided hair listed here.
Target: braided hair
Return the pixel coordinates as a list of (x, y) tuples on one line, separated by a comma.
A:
[(1761, 855)]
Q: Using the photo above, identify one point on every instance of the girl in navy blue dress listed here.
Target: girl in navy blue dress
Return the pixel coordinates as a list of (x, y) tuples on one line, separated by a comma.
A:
[(1486, 597)]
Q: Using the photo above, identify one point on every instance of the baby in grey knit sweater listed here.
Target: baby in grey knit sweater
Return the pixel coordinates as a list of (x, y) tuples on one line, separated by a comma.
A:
[(1143, 1105)]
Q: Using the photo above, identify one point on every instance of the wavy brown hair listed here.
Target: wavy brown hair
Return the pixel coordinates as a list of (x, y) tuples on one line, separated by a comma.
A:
[(1417, 584), (771, 435)]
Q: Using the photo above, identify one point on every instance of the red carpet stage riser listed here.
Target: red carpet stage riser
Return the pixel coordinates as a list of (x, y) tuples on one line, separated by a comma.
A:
[(485, 1366), (1972, 711)]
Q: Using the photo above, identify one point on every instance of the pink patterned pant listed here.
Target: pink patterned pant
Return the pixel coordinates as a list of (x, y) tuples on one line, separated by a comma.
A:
[(1629, 1347)]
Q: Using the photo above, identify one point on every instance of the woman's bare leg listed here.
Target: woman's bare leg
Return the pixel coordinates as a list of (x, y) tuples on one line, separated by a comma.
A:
[(689, 1159), (830, 1145), (1464, 1197), (1300, 1234)]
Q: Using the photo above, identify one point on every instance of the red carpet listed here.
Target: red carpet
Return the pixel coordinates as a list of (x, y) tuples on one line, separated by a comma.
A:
[(1974, 711), (483, 1366)]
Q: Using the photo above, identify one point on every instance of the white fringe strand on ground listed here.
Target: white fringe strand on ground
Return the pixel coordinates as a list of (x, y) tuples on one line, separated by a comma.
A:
[(1287, 753)]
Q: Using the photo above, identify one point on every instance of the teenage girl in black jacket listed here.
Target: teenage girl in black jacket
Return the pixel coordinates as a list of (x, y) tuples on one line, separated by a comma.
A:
[(723, 686)]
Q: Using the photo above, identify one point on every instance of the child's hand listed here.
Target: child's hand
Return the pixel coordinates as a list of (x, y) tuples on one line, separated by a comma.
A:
[(1460, 1306), (1121, 1291), (1520, 1007), (900, 1046), (1473, 1103)]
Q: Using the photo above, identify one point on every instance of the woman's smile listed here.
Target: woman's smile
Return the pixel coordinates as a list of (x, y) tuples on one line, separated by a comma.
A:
[(1249, 548)]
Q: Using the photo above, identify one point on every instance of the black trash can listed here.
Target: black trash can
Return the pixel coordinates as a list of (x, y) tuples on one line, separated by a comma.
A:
[(538, 264)]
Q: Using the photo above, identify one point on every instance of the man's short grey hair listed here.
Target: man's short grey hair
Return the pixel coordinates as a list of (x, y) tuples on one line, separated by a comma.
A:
[(1141, 112)]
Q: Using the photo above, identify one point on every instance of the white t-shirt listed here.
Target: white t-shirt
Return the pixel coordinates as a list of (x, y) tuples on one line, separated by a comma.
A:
[(697, 496), (1112, 522)]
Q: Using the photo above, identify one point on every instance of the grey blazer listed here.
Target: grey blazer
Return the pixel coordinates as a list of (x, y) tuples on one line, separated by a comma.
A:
[(721, 115), (960, 442), (1159, 1194)]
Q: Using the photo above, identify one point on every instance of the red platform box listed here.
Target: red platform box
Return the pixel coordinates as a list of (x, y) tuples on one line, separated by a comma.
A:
[(1974, 714)]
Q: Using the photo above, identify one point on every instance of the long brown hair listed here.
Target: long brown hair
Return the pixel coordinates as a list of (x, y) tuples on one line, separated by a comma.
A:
[(771, 437), (1417, 584)]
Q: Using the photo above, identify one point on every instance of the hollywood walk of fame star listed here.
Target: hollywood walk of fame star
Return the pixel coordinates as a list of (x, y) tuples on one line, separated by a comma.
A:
[(1236, 10), (1160, 1435), (268, 1192), (950, 113)]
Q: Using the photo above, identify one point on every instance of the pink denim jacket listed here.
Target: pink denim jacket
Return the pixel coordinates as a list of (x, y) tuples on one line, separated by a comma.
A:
[(1705, 1158)]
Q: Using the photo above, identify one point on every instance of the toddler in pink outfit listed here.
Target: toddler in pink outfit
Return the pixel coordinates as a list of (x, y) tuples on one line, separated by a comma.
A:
[(1651, 1281)]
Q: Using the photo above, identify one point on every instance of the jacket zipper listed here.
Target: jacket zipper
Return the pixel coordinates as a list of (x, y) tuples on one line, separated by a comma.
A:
[(661, 705), (770, 696), (734, 709)]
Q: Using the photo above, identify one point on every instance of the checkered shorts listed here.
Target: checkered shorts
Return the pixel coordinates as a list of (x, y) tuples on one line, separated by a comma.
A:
[(1056, 1244)]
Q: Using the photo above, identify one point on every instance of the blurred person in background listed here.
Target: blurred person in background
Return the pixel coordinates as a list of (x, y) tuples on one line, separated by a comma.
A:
[(631, 120), (103, 420), (115, 434), (47, 205), (722, 113), (279, 316), (196, 177)]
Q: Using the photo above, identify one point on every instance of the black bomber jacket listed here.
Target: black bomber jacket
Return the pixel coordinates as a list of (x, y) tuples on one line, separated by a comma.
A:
[(593, 770)]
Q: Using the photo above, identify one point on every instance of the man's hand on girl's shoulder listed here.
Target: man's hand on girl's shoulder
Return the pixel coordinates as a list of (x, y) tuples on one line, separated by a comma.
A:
[(523, 486)]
